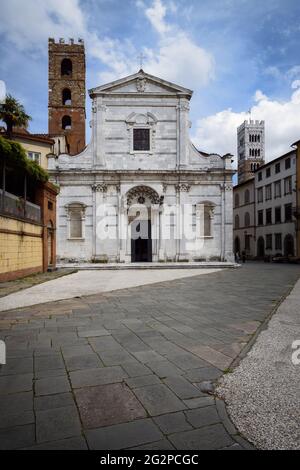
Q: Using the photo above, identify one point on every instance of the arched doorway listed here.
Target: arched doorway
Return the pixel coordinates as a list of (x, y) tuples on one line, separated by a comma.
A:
[(288, 245), (141, 201), (260, 247), (237, 245)]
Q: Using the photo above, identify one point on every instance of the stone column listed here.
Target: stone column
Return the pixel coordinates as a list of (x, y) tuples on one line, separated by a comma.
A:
[(182, 190), (183, 131), (100, 133), (228, 222), (122, 225), (155, 228), (100, 190)]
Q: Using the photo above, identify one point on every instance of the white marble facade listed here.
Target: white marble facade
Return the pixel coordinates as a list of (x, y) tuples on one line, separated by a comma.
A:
[(170, 176)]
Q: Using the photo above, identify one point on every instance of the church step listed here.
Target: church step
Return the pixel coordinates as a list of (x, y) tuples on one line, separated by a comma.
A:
[(118, 266)]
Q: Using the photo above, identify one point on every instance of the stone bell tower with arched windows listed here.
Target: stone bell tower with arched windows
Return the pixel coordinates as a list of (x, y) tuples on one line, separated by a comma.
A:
[(250, 148), (66, 104)]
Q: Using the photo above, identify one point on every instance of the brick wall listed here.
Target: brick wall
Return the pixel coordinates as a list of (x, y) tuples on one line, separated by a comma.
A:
[(75, 82), (21, 248)]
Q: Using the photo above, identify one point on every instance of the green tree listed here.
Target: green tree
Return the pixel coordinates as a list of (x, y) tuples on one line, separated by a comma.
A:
[(12, 112)]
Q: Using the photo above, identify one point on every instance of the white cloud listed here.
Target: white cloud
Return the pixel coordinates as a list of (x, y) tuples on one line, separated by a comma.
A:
[(178, 57), (156, 15), (181, 60), (295, 84), (217, 133), (28, 24)]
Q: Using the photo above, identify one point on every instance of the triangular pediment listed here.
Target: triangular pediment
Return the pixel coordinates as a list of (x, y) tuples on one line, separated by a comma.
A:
[(140, 83)]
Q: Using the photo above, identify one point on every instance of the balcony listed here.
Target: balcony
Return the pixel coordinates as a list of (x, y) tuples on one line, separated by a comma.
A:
[(16, 207)]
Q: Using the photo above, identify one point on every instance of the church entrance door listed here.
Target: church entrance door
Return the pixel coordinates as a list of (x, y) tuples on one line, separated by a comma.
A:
[(141, 247)]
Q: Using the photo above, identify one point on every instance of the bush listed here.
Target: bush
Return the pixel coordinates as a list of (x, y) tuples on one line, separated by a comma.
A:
[(15, 155)]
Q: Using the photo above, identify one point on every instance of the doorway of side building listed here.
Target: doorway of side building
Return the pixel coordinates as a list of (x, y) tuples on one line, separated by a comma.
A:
[(289, 245), (260, 247), (237, 245), (141, 242)]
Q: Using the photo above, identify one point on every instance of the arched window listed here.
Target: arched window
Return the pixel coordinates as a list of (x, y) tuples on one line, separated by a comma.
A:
[(247, 196), (66, 68), (207, 221), (236, 222), (258, 152), (66, 97), (247, 219), (236, 200), (66, 123), (76, 217)]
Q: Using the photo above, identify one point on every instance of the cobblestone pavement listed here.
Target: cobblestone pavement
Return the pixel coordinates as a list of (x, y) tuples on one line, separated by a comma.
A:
[(123, 370)]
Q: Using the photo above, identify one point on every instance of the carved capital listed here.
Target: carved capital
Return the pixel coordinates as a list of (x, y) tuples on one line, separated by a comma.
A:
[(183, 107), (183, 187), (100, 187)]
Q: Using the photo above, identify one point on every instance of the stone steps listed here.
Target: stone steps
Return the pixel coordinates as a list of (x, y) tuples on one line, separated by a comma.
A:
[(120, 266)]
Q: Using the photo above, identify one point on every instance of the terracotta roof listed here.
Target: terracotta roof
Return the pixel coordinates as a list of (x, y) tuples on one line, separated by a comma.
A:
[(24, 134)]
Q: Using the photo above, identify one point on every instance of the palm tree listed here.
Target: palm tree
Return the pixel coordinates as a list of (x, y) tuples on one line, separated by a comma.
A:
[(12, 112)]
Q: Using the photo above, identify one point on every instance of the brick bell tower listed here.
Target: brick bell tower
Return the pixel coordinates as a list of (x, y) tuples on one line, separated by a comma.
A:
[(66, 103)]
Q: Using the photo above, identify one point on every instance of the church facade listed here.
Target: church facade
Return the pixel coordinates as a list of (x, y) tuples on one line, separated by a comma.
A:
[(140, 191)]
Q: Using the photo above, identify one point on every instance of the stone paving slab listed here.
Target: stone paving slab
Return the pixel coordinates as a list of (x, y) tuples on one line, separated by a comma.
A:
[(57, 423), (122, 370), (107, 405), (123, 436)]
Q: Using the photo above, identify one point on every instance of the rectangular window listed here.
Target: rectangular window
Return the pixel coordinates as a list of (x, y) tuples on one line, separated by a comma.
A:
[(268, 192), (141, 140), (288, 185), (278, 241), (277, 189), (288, 212), (268, 172), (35, 157), (277, 215), (260, 195), (260, 218), (277, 168), (269, 240), (287, 163), (269, 216), (260, 176)]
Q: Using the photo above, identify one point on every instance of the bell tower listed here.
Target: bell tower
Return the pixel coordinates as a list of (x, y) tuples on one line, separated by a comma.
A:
[(250, 148), (66, 102)]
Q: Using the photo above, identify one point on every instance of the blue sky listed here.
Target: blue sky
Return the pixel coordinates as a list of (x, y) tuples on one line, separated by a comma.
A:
[(234, 54)]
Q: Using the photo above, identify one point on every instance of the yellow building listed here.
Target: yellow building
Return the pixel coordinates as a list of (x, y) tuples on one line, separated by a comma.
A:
[(27, 211), (37, 146)]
